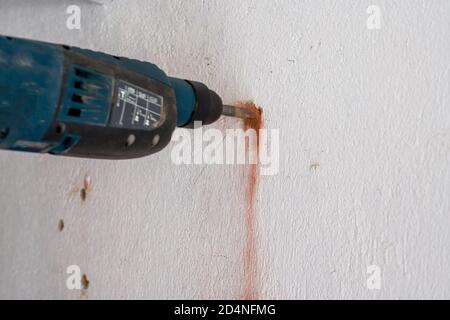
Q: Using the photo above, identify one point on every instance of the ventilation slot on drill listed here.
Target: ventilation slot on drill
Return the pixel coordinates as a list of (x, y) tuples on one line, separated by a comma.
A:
[(78, 85), (77, 98), (86, 97), (82, 73), (74, 112)]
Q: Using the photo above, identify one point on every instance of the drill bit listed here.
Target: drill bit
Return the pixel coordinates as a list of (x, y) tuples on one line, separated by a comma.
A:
[(237, 112)]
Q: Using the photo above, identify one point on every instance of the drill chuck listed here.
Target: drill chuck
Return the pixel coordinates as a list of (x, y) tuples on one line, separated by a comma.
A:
[(208, 107)]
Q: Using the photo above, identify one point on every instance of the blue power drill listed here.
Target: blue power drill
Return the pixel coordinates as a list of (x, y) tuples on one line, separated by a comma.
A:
[(69, 101)]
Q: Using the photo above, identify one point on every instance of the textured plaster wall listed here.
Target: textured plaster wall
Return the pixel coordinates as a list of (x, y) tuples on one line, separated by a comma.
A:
[(364, 157)]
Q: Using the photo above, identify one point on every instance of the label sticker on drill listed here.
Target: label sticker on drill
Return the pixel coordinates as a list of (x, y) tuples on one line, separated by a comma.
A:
[(135, 107)]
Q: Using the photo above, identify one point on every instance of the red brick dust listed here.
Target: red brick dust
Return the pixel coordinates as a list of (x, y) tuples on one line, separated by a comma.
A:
[(250, 274)]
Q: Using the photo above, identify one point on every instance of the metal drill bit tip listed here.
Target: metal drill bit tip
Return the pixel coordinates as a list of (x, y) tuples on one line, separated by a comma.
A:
[(237, 112)]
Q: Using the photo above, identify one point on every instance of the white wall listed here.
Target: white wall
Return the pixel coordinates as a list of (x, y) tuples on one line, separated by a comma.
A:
[(364, 164)]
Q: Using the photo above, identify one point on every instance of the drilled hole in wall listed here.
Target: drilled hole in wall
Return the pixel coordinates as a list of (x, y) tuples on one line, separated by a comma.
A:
[(61, 225), (83, 194), (84, 282)]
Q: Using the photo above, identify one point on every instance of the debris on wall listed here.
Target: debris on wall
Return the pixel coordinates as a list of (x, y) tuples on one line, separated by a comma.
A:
[(86, 187), (61, 225)]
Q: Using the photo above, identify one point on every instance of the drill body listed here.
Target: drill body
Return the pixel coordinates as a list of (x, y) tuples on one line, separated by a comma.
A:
[(69, 101)]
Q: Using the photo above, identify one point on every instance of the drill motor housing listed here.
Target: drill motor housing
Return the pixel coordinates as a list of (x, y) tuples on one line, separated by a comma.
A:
[(69, 101)]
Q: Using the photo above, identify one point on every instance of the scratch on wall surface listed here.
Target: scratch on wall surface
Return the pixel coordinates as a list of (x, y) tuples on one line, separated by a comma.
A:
[(250, 275)]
